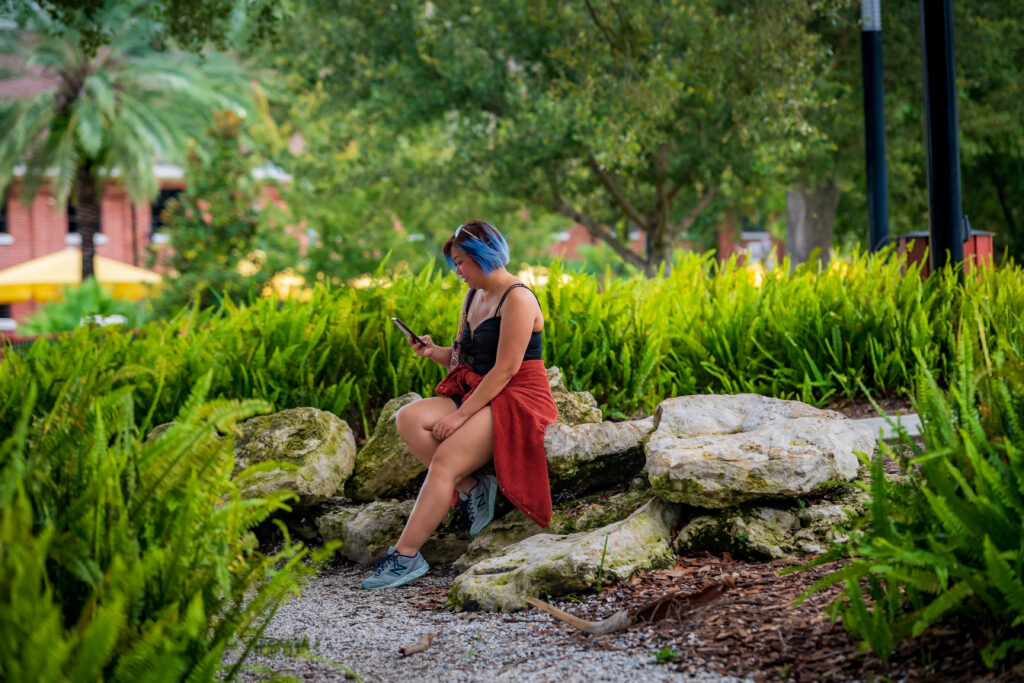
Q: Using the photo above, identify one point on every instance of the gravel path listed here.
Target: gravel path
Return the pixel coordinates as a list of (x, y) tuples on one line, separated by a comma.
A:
[(362, 630)]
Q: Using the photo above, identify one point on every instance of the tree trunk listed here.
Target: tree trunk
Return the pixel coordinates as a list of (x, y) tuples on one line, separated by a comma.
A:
[(659, 251), (810, 216), (87, 211)]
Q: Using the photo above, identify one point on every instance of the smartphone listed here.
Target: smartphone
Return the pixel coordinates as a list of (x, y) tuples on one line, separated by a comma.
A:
[(405, 329)]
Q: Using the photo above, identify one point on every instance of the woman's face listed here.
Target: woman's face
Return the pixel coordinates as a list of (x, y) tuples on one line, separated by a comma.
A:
[(468, 269)]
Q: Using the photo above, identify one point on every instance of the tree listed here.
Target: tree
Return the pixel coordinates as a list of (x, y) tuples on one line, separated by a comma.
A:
[(829, 172), (620, 116), (227, 240), (105, 116), (191, 24)]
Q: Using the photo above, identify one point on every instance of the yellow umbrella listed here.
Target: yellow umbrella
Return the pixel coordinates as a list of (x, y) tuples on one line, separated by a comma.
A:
[(42, 278)]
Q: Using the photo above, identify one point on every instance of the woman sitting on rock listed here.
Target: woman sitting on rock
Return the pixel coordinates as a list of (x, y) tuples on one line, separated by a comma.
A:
[(495, 403)]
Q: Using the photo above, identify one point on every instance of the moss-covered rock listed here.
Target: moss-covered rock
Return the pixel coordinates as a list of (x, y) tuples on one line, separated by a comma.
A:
[(317, 451), (594, 456), (771, 532), (384, 466), (366, 531), (574, 407), (583, 514), (548, 564), (721, 451)]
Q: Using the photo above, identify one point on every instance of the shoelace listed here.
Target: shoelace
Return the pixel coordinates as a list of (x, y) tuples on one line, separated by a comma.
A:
[(474, 502), (382, 563), (468, 508)]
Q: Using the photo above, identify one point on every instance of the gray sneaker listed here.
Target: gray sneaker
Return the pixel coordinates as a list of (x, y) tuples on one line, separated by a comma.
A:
[(395, 569), (479, 504)]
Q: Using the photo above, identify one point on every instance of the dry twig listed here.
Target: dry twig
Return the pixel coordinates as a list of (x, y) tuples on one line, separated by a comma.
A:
[(615, 622), (419, 646)]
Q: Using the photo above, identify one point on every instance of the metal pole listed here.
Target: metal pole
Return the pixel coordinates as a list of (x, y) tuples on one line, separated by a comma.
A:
[(945, 210), (874, 124)]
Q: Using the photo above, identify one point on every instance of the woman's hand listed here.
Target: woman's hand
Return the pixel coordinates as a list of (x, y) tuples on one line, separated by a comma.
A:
[(447, 425), (423, 350)]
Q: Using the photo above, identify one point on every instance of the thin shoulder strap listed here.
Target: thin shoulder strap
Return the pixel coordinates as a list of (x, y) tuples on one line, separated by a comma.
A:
[(518, 284)]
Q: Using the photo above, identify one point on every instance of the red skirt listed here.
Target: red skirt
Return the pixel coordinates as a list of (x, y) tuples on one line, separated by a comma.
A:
[(521, 413)]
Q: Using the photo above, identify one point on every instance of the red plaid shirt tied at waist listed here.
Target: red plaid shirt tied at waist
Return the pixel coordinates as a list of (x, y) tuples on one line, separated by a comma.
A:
[(521, 413)]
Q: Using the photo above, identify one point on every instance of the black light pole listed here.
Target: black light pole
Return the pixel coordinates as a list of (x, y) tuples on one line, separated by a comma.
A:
[(945, 211), (874, 123)]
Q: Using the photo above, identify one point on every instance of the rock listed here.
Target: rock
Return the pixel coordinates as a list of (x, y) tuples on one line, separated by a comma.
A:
[(498, 535), (366, 531), (595, 455), (574, 407), (384, 466), (319, 445), (548, 564), (719, 451), (578, 515), (766, 532)]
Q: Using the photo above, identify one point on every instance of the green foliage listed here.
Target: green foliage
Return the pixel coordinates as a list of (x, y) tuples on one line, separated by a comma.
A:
[(121, 113), (189, 23), (78, 305), (665, 655), (605, 113), (227, 238), (815, 335), (126, 559), (948, 537)]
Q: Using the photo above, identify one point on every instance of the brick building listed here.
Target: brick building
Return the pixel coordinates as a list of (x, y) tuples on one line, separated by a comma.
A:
[(127, 229)]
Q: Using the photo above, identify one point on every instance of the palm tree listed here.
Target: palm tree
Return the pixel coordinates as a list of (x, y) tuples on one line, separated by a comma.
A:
[(86, 117)]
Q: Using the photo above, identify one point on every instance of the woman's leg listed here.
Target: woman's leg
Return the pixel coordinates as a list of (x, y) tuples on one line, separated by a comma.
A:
[(415, 422), (468, 449)]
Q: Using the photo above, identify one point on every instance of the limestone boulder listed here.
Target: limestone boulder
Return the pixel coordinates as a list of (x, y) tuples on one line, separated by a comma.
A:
[(578, 515), (593, 456), (768, 532), (366, 531), (574, 407), (549, 564), (720, 451), (315, 450), (384, 466)]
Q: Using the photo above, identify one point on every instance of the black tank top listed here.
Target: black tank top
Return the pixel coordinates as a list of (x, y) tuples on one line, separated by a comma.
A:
[(481, 344)]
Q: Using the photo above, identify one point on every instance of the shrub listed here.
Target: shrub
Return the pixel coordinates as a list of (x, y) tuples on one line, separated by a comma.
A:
[(124, 559), (815, 335), (947, 540), (79, 305)]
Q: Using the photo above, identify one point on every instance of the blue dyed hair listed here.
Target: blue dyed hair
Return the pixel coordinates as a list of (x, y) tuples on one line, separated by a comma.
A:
[(481, 242)]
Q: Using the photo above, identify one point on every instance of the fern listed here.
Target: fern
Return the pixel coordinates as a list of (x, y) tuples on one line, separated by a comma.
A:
[(952, 542)]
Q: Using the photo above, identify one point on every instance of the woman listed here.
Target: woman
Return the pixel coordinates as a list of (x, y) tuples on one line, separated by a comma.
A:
[(494, 404)]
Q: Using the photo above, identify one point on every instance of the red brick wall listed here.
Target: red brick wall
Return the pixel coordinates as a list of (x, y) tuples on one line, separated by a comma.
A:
[(578, 236), (41, 228)]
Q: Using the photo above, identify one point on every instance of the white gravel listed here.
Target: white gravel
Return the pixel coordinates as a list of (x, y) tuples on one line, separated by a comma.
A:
[(363, 630)]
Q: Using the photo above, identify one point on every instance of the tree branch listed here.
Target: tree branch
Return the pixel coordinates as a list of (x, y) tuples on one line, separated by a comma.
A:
[(602, 27), (620, 197), (558, 204), (659, 217), (704, 202)]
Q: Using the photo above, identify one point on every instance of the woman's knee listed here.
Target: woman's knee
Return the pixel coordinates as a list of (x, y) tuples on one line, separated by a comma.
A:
[(444, 463), (409, 420)]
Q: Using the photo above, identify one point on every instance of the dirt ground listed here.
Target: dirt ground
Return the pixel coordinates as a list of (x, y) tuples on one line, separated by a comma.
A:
[(752, 630)]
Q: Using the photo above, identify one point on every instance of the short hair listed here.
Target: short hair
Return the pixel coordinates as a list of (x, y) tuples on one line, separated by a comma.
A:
[(481, 242)]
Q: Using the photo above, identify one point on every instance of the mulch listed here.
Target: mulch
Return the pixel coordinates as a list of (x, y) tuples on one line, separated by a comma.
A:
[(753, 630), (858, 408)]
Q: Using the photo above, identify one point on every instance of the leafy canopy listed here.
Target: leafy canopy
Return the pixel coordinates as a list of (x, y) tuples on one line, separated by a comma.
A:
[(608, 113)]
